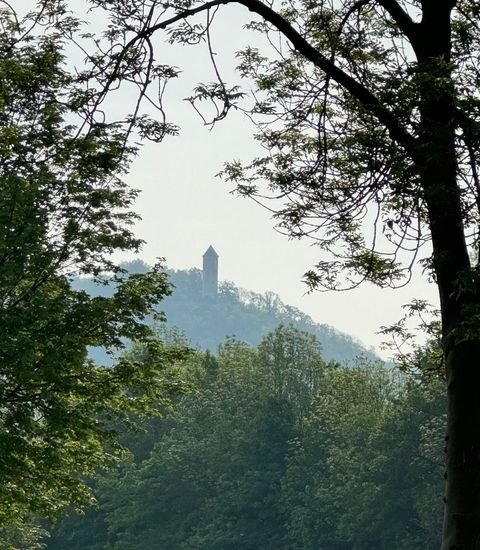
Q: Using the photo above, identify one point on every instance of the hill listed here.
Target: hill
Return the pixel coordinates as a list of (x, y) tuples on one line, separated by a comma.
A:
[(232, 311), (207, 320)]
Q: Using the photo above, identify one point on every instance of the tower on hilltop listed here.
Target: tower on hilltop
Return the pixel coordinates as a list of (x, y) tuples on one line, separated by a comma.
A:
[(210, 273)]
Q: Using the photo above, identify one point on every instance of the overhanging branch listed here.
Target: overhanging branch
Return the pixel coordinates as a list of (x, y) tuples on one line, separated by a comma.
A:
[(360, 92)]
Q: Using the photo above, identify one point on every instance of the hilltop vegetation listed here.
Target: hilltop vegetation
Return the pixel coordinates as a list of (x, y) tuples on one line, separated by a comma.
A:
[(246, 315)]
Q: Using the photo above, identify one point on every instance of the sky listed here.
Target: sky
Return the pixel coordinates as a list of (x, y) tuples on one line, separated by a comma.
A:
[(185, 208)]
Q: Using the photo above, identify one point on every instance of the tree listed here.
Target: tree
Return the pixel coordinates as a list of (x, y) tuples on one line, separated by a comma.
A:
[(294, 365), (63, 211), (28, 536), (369, 111), (213, 477), (364, 471)]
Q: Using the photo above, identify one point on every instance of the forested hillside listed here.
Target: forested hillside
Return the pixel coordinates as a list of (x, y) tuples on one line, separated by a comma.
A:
[(277, 449), (207, 321), (244, 314)]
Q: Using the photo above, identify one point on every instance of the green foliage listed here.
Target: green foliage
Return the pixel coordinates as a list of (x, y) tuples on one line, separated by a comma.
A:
[(229, 446), (27, 536), (278, 450), (63, 211), (369, 120), (221, 455), (426, 360), (358, 475), (237, 312), (340, 155)]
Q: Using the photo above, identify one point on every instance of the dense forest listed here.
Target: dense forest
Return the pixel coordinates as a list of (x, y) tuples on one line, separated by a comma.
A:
[(246, 315), (275, 448)]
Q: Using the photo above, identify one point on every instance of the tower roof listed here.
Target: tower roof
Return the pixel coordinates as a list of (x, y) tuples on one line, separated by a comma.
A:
[(210, 252)]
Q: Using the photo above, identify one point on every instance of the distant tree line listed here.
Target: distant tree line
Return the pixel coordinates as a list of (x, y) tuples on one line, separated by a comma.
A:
[(235, 311)]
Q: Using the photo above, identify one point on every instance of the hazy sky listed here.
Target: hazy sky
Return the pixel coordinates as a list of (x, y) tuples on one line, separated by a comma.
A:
[(185, 208)]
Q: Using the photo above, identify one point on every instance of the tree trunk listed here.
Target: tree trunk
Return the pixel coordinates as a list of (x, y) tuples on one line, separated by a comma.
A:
[(462, 500), (461, 345), (438, 170), (461, 341)]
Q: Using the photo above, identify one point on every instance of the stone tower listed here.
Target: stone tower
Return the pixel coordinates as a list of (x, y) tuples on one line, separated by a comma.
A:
[(210, 273)]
